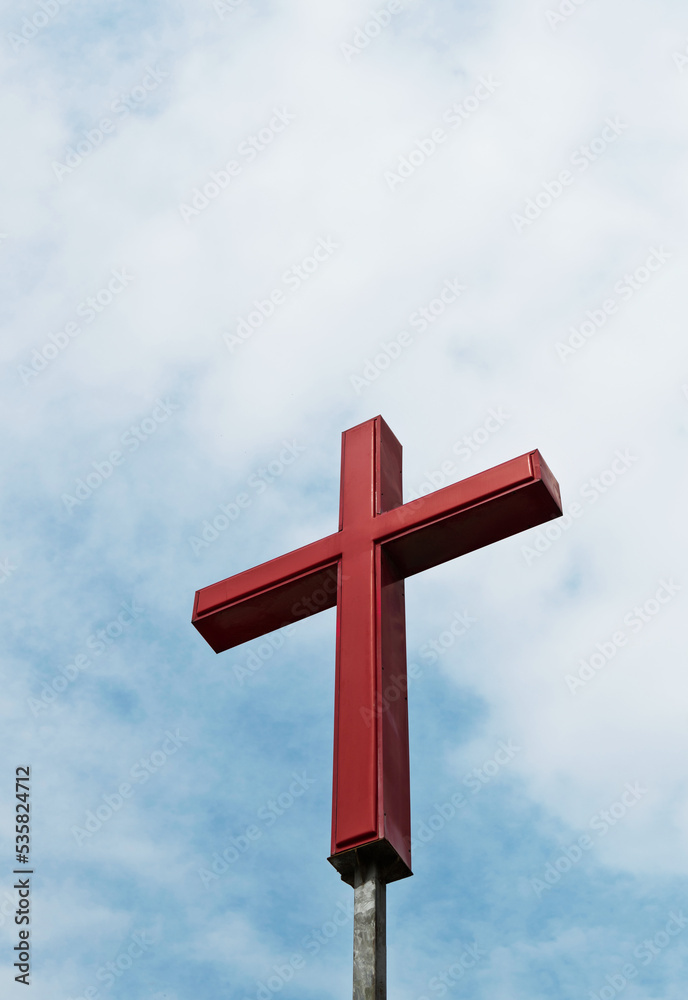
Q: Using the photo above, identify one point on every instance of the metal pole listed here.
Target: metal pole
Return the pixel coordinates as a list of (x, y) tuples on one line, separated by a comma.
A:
[(370, 939)]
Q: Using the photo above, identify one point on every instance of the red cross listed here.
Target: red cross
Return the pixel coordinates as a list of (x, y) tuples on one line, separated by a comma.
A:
[(361, 569)]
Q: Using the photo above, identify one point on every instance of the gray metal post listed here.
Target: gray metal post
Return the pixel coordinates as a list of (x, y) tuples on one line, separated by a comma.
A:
[(370, 937)]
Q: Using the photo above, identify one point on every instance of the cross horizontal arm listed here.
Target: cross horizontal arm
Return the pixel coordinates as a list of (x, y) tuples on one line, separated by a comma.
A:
[(269, 596), (465, 516)]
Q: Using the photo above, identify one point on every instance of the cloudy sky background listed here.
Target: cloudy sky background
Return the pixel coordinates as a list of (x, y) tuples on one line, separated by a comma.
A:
[(519, 92)]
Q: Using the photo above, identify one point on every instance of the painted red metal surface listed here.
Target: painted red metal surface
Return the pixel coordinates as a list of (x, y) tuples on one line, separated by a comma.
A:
[(360, 569)]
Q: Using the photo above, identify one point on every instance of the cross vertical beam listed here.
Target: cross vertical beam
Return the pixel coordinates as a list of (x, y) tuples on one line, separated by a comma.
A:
[(371, 799)]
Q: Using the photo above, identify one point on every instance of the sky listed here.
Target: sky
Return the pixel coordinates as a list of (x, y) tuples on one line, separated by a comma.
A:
[(229, 232)]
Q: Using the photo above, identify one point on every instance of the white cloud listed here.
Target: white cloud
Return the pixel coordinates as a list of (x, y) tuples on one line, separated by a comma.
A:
[(206, 83)]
